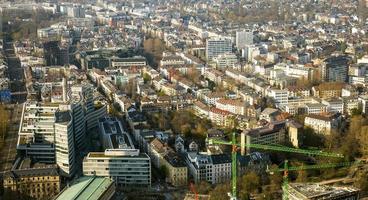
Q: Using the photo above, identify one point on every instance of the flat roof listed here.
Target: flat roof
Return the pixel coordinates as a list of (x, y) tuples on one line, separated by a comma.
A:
[(86, 188)]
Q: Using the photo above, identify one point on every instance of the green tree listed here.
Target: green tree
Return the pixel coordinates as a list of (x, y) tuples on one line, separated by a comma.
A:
[(220, 192), (203, 187), (249, 183)]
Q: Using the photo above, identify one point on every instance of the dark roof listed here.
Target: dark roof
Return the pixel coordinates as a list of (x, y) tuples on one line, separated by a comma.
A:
[(220, 159), (174, 159), (51, 170)]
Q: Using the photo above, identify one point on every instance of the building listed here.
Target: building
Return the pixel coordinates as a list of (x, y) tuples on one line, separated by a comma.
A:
[(335, 69), (177, 171), (128, 62), (88, 188), (225, 60), (234, 106), (314, 191), (243, 38), (328, 90), (52, 132), (119, 148), (279, 96), (76, 11), (35, 180), (273, 133), (54, 54), (323, 124), (211, 168), (334, 105), (217, 46)]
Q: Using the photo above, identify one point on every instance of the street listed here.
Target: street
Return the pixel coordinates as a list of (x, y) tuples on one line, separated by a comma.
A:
[(16, 75)]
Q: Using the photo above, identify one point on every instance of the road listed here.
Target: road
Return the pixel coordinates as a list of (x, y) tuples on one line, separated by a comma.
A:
[(8, 152), (16, 74)]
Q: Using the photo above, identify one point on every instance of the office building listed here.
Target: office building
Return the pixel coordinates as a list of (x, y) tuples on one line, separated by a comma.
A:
[(335, 69), (56, 132), (121, 160), (217, 46), (243, 38)]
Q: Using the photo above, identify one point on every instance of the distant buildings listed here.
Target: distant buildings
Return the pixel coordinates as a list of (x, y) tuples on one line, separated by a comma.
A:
[(217, 46)]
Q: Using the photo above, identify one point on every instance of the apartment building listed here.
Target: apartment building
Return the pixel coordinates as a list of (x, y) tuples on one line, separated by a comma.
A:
[(323, 124), (234, 106), (273, 133), (211, 168)]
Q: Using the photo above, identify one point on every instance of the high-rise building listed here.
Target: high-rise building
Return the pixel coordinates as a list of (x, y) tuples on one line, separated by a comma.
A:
[(76, 12), (335, 69), (243, 38), (217, 46), (55, 132)]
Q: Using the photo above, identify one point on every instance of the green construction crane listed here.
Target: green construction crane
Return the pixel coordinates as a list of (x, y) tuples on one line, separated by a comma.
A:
[(286, 170), (234, 144)]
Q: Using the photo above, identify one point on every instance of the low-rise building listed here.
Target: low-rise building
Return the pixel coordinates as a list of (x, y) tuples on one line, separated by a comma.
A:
[(34, 180), (88, 188), (314, 191), (323, 124), (211, 168), (273, 133)]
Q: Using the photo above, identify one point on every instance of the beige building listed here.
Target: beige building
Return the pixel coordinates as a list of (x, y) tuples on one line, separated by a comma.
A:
[(37, 181), (163, 156)]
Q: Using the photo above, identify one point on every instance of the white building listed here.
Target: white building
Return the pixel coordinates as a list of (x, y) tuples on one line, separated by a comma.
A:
[(120, 161), (225, 60), (243, 38), (217, 46), (280, 96), (322, 124), (211, 168), (127, 62), (334, 105)]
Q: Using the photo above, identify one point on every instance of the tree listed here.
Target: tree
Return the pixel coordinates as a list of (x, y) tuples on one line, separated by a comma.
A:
[(311, 139), (203, 187), (220, 192), (302, 176), (249, 183), (146, 78)]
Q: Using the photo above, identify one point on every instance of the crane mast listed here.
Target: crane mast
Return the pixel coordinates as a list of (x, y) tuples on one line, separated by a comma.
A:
[(233, 143)]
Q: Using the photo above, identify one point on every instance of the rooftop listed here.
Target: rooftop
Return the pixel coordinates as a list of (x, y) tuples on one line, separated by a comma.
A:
[(317, 191), (86, 188)]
